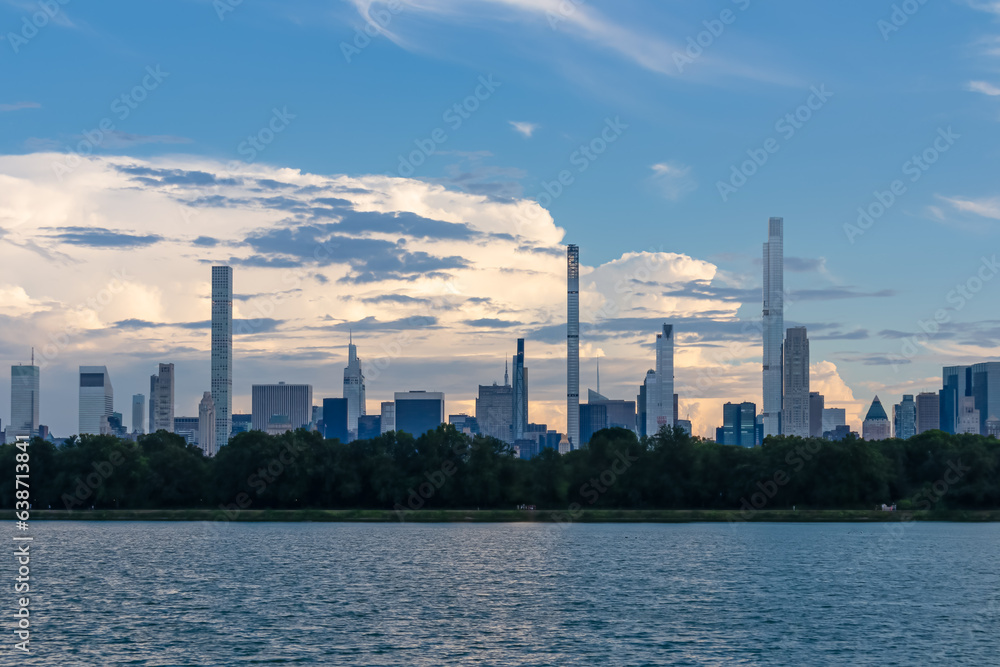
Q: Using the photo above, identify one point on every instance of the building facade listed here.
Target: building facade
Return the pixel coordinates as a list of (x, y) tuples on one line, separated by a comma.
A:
[(832, 418), (97, 400), (293, 401), (773, 325), (519, 394), (495, 412), (25, 392), (660, 397), (388, 421), (876, 425), (739, 421), (817, 402), (163, 398), (206, 424), (904, 418), (222, 352), (419, 411), (795, 398), (986, 391), (928, 411), (335, 416), (138, 413), (354, 389), (572, 346)]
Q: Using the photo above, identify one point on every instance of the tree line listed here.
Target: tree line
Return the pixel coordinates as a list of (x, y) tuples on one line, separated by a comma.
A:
[(446, 469)]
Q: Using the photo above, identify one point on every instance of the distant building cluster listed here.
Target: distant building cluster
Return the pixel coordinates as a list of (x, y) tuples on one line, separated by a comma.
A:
[(968, 402)]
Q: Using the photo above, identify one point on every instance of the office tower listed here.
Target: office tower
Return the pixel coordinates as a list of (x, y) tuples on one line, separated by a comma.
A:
[(24, 397), (222, 352), (928, 411), (774, 324), (369, 427), (241, 424), (152, 402), (968, 416), (495, 412), (986, 391), (876, 425), (354, 389), (739, 422), (660, 396), (621, 413), (993, 427), (116, 425), (163, 399), (97, 400), (335, 416), (293, 401), (573, 345), (188, 428), (419, 411), (832, 418), (956, 385), (465, 423), (642, 401), (816, 404), (904, 418), (520, 393), (138, 413), (795, 399), (593, 418), (388, 416), (206, 424), (677, 415)]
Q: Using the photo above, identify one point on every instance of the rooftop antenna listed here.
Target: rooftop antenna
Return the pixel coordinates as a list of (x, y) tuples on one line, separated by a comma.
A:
[(506, 380), (598, 375)]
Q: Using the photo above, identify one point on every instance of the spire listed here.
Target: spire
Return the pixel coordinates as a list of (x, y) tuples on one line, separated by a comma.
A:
[(350, 337), (506, 379), (598, 375)]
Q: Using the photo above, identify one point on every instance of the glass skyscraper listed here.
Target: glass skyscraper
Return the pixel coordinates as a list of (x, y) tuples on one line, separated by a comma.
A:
[(24, 396), (774, 324), (97, 400), (795, 396), (520, 393), (573, 345), (222, 352), (419, 411)]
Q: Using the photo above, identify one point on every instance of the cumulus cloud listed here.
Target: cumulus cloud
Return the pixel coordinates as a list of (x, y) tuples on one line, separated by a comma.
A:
[(523, 128)]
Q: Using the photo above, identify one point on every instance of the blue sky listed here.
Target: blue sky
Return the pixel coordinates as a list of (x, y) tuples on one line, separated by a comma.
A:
[(560, 73)]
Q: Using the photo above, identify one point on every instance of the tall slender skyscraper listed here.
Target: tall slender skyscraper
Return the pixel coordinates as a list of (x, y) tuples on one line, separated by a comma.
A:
[(795, 399), (573, 345), (163, 399), (222, 352), (660, 396), (774, 324), (24, 395), (520, 393), (354, 389), (138, 413)]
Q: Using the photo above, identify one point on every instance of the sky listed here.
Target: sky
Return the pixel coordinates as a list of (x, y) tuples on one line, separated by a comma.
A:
[(412, 171)]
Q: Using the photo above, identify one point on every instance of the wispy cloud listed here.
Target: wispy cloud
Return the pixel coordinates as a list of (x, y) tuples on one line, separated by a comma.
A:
[(17, 106), (527, 129), (673, 180), (987, 208), (984, 87)]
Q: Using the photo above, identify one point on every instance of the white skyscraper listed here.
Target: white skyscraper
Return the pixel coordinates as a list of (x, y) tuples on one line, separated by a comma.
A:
[(24, 395), (573, 345), (163, 399), (660, 384), (222, 352), (354, 389), (138, 413), (97, 400), (206, 424), (774, 324)]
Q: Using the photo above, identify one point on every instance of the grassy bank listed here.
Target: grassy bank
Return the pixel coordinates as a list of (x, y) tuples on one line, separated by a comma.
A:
[(488, 516)]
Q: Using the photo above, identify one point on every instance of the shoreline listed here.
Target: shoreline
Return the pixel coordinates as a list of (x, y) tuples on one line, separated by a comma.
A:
[(516, 516)]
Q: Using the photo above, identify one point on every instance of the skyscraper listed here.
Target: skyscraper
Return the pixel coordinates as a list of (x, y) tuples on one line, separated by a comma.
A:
[(572, 345), (335, 411), (163, 399), (293, 401), (354, 389), (774, 324), (206, 424), (419, 411), (642, 400), (152, 402), (876, 425), (222, 352), (660, 396), (986, 391), (968, 416), (956, 384), (388, 422), (24, 396), (495, 411), (795, 399), (138, 413), (904, 418), (97, 400), (816, 405), (739, 421), (832, 418), (520, 393), (928, 411)]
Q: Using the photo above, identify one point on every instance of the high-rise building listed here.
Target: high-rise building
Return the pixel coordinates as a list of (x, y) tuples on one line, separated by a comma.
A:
[(993, 427), (593, 418), (419, 411), (241, 424), (642, 401), (904, 418), (928, 411), (24, 397), (816, 405), (369, 427), (774, 324), (138, 413), (206, 424), (876, 425), (832, 418), (956, 384), (986, 391), (335, 415), (354, 389), (660, 396), (293, 401), (495, 411), (520, 393), (163, 398), (465, 423), (188, 428), (572, 345), (222, 352), (97, 400), (968, 416), (621, 414), (739, 421), (795, 399), (152, 402), (388, 422)]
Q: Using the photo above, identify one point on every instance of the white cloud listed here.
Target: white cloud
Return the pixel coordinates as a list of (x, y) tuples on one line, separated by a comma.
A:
[(17, 106), (673, 180), (527, 129), (984, 88), (987, 208)]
